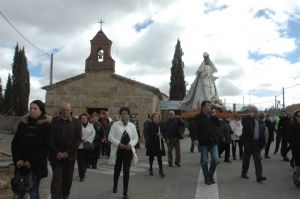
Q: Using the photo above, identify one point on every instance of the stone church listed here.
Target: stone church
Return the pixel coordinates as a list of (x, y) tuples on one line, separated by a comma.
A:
[(100, 88)]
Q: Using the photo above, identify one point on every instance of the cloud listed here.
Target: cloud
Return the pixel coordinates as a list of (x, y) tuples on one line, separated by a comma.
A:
[(253, 44), (225, 87)]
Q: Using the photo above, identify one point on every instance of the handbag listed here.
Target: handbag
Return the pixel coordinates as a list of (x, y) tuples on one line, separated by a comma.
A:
[(21, 183), (125, 138)]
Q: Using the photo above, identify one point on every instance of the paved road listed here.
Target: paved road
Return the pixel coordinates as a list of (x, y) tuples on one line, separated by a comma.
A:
[(185, 182)]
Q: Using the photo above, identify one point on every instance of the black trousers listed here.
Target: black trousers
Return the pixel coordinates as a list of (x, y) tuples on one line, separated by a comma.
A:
[(95, 155), (83, 156), (268, 147), (252, 148), (224, 147), (278, 140), (284, 147), (62, 178), (123, 158), (159, 160), (233, 148)]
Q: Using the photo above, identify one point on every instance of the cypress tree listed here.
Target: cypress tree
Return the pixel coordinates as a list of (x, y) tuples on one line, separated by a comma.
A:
[(20, 82), (8, 97), (177, 84)]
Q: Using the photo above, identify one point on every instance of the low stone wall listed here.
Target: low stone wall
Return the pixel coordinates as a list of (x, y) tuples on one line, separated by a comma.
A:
[(9, 124)]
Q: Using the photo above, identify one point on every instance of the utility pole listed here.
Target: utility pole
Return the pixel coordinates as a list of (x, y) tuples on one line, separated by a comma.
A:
[(51, 69), (283, 100), (275, 102), (249, 98)]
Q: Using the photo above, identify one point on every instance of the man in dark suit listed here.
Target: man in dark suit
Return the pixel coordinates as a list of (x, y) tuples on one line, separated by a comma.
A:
[(253, 138)]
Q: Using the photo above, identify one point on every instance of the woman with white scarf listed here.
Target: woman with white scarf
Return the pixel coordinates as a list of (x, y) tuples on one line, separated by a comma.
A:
[(123, 138), (237, 129)]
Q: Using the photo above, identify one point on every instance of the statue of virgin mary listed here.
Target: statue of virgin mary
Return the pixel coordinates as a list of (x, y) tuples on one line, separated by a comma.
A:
[(203, 87)]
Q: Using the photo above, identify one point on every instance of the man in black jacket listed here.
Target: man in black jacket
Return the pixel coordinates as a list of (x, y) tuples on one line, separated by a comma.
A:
[(253, 138), (206, 135)]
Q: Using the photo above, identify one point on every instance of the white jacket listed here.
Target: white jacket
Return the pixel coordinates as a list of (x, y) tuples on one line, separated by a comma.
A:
[(237, 129), (115, 135), (88, 134)]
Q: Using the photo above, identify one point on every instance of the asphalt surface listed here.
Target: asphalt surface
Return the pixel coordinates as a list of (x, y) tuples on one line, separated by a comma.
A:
[(185, 182)]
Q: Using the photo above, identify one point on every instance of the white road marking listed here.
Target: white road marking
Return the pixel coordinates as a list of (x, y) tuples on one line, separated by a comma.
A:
[(204, 191)]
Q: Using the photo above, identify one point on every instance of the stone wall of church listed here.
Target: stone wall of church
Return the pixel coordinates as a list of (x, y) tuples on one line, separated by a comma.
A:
[(100, 90)]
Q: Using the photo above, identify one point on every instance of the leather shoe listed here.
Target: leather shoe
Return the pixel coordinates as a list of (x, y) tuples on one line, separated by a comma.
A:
[(212, 180), (245, 176), (286, 159), (151, 172), (177, 164), (261, 178), (115, 190), (207, 181)]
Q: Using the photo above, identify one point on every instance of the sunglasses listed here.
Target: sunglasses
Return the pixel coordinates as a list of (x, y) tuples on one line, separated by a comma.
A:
[(297, 115)]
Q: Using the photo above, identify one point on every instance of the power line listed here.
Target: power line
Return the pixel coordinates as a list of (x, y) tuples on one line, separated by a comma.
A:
[(291, 86), (14, 27)]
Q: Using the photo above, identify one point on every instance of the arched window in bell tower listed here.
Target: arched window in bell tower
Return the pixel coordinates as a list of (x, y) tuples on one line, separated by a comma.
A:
[(100, 55)]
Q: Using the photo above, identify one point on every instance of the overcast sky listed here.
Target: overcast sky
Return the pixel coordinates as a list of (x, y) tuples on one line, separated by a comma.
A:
[(254, 44)]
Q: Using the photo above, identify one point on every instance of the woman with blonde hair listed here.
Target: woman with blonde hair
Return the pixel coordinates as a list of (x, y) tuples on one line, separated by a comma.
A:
[(86, 146), (155, 144)]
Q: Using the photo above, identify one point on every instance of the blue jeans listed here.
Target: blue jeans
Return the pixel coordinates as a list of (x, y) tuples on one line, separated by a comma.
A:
[(34, 193), (213, 150)]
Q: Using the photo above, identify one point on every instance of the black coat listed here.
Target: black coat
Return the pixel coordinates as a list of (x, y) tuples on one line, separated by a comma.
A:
[(283, 127), (99, 134), (294, 139), (227, 131), (249, 128), (174, 128), (271, 129), (31, 143), (66, 136), (206, 129), (155, 145)]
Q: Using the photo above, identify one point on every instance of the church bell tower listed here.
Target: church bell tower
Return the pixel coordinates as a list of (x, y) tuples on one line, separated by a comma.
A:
[(100, 57)]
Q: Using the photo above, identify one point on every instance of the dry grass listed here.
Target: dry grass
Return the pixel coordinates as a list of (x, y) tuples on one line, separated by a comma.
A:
[(5, 176)]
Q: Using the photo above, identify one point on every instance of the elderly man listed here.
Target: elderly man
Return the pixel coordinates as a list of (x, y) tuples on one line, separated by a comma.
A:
[(65, 138), (172, 127), (253, 139)]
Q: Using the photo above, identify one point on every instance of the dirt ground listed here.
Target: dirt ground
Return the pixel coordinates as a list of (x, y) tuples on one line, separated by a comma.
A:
[(5, 176), (5, 192)]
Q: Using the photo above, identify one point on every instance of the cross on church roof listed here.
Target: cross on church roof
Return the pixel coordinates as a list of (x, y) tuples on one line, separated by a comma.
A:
[(101, 22)]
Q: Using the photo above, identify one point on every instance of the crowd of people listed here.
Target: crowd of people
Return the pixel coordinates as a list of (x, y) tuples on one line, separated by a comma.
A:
[(65, 139)]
